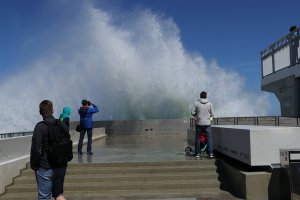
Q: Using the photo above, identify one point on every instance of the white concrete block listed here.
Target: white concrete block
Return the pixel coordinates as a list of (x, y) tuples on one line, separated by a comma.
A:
[(255, 145)]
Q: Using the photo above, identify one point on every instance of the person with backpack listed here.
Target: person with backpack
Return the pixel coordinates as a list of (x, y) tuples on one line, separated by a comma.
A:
[(86, 122), (202, 111), (51, 149), (65, 116)]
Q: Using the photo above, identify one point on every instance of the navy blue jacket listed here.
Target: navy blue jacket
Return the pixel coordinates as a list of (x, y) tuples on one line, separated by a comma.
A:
[(86, 112)]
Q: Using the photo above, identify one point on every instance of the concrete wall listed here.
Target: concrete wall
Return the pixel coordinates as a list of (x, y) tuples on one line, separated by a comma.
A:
[(98, 133), (242, 179), (255, 145), (144, 126), (15, 154), (254, 183), (246, 185), (288, 96)]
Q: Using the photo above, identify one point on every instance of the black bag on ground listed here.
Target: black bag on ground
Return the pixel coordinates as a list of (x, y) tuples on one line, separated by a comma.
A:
[(78, 128), (60, 146)]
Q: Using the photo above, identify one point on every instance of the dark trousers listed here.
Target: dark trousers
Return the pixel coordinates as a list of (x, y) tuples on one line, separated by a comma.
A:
[(207, 130), (89, 132)]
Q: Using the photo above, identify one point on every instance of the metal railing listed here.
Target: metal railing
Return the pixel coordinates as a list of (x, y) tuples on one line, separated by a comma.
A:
[(281, 54), (258, 121), (262, 121), (17, 134)]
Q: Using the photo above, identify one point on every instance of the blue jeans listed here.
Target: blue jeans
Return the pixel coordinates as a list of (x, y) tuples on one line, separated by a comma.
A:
[(89, 143), (207, 130), (50, 182)]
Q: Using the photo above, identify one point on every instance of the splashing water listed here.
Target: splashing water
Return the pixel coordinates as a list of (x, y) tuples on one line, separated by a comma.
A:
[(137, 69)]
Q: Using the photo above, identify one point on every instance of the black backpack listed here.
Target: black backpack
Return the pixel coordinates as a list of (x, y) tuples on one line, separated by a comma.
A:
[(59, 147)]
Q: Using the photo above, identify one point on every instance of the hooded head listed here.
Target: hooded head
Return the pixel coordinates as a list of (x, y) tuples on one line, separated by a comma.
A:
[(66, 113)]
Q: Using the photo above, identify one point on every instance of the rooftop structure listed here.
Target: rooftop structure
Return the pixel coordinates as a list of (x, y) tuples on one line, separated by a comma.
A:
[(280, 65)]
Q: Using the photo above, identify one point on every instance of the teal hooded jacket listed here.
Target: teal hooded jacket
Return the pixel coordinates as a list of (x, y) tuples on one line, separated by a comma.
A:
[(65, 115)]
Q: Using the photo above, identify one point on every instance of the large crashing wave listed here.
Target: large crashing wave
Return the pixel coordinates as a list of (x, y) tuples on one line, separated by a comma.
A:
[(133, 68)]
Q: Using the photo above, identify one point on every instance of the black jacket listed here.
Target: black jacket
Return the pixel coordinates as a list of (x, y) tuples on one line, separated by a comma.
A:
[(66, 120), (38, 156)]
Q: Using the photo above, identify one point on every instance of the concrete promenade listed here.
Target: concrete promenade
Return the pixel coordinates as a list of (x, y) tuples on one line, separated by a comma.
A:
[(144, 148), (149, 153), (136, 148)]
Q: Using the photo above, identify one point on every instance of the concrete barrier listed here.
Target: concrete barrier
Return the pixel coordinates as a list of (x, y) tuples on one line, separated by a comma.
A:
[(10, 169), (253, 171), (255, 145), (15, 154), (250, 185), (160, 126), (98, 133)]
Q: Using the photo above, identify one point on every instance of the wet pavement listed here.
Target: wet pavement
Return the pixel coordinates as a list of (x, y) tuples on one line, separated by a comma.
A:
[(136, 148)]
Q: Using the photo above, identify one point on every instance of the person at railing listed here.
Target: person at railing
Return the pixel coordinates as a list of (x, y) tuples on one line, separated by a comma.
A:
[(86, 122), (203, 113)]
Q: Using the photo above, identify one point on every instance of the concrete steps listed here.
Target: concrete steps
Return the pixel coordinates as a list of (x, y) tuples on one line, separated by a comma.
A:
[(124, 177), (139, 180)]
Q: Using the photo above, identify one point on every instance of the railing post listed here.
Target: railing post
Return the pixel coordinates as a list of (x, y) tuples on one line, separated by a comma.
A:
[(277, 121)]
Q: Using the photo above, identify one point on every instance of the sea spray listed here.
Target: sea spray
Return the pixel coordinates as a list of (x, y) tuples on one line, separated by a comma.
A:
[(132, 67)]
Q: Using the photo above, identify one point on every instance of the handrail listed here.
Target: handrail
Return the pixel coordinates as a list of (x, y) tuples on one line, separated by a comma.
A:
[(15, 134), (257, 121), (261, 120), (283, 41), (268, 55)]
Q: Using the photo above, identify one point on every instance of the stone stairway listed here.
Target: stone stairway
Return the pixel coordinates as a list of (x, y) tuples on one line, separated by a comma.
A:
[(130, 180)]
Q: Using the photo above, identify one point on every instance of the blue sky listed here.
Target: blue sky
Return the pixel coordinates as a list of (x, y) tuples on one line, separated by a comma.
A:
[(231, 32)]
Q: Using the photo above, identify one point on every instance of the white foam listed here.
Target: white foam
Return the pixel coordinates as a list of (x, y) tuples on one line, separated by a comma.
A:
[(134, 68)]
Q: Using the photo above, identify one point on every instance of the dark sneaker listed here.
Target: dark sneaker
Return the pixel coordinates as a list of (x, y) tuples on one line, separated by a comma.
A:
[(90, 153), (211, 155), (80, 153)]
